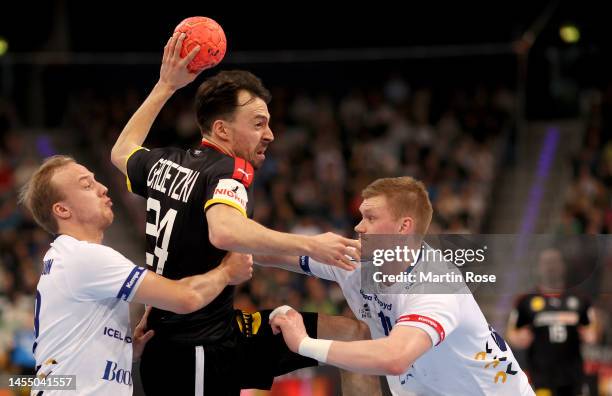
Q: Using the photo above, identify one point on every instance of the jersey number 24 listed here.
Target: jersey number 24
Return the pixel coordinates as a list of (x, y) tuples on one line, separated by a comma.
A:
[(161, 230)]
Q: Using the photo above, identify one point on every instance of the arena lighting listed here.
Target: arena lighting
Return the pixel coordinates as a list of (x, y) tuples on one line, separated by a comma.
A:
[(569, 33), (3, 46)]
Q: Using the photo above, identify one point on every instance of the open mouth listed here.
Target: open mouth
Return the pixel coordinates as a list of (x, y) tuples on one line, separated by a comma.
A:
[(261, 153)]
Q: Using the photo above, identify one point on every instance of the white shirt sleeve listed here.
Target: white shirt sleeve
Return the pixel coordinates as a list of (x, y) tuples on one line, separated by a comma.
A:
[(97, 272), (437, 314), (320, 270)]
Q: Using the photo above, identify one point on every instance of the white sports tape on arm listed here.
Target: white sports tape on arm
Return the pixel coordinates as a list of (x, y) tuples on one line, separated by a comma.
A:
[(314, 348), (283, 309)]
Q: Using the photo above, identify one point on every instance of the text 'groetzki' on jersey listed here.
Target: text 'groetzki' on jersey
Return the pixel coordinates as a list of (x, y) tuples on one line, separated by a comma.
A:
[(172, 179)]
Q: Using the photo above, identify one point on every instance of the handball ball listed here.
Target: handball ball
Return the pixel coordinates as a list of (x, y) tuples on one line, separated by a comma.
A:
[(209, 35)]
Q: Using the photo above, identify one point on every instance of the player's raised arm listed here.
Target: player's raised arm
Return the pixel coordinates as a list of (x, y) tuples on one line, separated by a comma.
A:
[(391, 355), (173, 75), (328, 248)]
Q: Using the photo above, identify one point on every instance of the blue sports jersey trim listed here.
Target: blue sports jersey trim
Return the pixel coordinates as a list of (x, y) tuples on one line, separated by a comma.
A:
[(130, 282), (305, 264)]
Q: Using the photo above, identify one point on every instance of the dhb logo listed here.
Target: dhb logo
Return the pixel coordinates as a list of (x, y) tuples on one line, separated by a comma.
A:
[(121, 376)]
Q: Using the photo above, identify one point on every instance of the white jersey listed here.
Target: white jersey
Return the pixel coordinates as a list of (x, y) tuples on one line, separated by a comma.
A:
[(82, 317), (467, 358)]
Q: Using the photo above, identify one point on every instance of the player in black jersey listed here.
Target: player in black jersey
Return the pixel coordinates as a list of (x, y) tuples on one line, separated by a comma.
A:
[(199, 204), (551, 322)]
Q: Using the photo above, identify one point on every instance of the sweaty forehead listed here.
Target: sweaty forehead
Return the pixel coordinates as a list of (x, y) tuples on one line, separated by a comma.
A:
[(251, 105), (70, 173), (373, 203)]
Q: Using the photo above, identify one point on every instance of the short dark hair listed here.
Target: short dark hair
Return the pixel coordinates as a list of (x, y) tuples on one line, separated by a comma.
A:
[(217, 97)]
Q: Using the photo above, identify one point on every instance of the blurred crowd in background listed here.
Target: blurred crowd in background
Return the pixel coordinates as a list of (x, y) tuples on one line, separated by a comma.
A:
[(327, 148), (588, 208)]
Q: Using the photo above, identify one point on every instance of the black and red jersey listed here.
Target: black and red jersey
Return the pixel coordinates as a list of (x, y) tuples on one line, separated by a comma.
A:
[(554, 355), (179, 186)]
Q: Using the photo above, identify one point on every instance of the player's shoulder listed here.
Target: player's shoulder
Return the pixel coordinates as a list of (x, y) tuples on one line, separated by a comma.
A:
[(236, 168), (79, 251), (68, 251), (439, 302), (436, 276), (577, 294), (68, 246), (156, 152), (576, 299), (532, 302), (167, 152), (214, 158)]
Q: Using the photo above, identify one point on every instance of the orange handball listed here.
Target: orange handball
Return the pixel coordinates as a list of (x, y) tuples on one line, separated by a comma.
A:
[(209, 35)]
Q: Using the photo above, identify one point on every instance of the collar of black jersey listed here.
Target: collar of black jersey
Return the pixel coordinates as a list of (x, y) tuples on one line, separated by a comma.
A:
[(243, 170)]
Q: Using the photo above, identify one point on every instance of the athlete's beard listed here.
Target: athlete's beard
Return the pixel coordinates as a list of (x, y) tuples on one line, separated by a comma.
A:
[(257, 165)]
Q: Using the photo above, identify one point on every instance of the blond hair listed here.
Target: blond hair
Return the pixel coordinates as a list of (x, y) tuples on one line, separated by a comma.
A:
[(406, 197), (39, 193)]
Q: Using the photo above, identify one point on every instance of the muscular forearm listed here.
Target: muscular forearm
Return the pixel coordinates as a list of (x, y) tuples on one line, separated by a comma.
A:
[(138, 127), (289, 263), (252, 237), (229, 229), (366, 357), (391, 355), (257, 239), (183, 296), (206, 286)]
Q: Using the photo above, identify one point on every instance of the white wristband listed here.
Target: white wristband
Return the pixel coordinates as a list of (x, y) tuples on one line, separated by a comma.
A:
[(315, 348), (279, 311)]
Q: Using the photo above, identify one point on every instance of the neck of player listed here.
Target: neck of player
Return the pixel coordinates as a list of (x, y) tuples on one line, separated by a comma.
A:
[(85, 233), (221, 146), (553, 286)]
